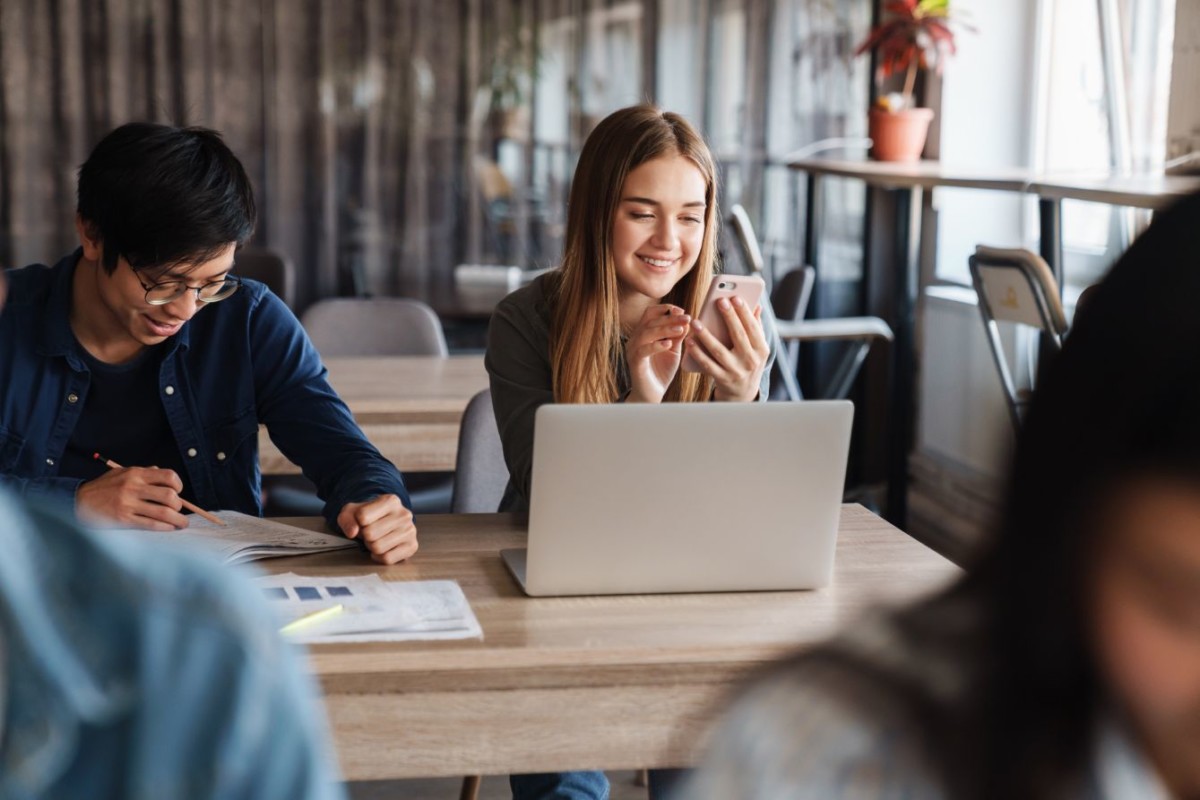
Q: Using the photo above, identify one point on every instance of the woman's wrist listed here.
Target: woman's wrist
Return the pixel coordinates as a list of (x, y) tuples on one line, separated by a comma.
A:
[(733, 397)]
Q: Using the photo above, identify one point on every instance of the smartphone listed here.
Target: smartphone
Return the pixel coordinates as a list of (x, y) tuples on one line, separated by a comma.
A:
[(748, 287)]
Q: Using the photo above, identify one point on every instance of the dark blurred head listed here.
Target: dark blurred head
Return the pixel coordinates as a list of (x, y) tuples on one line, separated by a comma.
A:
[(164, 197), (1091, 590)]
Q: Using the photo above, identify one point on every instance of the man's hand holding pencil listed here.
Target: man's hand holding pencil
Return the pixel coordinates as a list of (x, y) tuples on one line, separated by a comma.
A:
[(142, 497)]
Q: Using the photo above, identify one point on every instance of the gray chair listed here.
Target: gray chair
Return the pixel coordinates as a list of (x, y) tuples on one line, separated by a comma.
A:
[(376, 326), (1017, 287), (788, 303), (270, 267), (480, 474), (480, 477), (789, 300)]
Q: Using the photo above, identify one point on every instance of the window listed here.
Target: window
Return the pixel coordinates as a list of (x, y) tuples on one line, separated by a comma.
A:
[(1059, 117), (1086, 126)]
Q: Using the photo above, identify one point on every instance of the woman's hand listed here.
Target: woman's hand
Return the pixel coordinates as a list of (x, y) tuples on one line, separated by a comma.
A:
[(653, 351), (737, 370)]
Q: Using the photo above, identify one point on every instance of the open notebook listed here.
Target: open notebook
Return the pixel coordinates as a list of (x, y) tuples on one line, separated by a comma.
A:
[(249, 538)]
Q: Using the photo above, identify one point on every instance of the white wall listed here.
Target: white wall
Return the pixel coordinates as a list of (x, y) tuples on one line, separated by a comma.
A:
[(986, 121), (987, 106), (1183, 126), (963, 416)]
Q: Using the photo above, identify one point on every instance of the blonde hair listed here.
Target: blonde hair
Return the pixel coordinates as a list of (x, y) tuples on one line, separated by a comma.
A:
[(585, 334)]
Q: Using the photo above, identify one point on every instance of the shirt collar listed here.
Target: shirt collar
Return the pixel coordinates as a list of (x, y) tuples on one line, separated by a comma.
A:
[(56, 338)]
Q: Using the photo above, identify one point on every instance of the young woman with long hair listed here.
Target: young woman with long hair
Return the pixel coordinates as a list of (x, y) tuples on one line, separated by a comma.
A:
[(1066, 662), (612, 324)]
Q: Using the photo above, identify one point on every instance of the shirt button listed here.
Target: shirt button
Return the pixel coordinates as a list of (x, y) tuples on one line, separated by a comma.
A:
[(50, 461), (72, 398), (220, 456), (191, 452), (169, 390)]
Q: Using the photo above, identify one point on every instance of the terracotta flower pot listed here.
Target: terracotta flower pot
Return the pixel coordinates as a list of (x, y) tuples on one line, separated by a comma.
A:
[(898, 135)]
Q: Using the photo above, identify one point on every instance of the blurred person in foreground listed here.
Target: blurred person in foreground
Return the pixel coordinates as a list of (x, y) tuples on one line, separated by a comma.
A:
[(142, 671), (1066, 662)]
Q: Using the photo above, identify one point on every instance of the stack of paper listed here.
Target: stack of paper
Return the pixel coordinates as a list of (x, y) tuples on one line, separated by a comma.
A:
[(247, 538), (372, 609)]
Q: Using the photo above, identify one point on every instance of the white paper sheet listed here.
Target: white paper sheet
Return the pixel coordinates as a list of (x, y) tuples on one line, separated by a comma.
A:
[(374, 610)]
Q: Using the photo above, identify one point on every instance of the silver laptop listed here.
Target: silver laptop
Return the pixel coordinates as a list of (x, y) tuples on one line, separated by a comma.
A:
[(684, 497)]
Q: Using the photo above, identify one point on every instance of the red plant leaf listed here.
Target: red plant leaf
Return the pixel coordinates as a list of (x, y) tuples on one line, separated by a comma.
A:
[(881, 35), (904, 8), (941, 33)]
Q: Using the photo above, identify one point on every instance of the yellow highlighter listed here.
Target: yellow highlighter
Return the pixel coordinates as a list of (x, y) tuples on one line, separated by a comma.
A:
[(309, 619)]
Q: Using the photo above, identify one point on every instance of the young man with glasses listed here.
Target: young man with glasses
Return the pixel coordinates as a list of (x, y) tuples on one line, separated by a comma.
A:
[(144, 346), (141, 670)]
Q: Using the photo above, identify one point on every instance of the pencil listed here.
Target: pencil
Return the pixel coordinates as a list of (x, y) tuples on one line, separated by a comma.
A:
[(208, 515), (315, 616)]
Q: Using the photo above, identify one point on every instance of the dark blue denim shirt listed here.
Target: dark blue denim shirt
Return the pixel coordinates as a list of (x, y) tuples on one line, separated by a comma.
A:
[(236, 364)]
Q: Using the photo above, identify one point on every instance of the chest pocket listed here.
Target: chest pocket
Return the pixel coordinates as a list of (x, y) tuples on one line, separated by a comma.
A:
[(11, 446), (234, 441)]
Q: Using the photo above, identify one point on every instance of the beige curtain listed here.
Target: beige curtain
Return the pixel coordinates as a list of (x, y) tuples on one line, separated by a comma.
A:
[(389, 140), (345, 113)]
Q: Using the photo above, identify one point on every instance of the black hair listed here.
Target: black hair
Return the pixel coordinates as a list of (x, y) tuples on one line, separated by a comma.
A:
[(163, 196), (1120, 402)]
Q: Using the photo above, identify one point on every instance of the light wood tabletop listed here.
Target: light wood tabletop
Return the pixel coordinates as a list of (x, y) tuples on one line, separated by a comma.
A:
[(925, 174), (410, 407), (576, 683), (1139, 191)]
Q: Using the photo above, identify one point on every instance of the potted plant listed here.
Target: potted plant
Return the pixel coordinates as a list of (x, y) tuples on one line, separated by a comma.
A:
[(914, 34), (509, 78)]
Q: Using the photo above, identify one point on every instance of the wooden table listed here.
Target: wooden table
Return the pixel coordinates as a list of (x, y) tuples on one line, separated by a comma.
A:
[(576, 683), (1154, 192), (907, 182), (409, 407)]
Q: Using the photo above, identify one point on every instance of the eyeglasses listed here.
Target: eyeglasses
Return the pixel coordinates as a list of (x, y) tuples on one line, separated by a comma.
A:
[(159, 294)]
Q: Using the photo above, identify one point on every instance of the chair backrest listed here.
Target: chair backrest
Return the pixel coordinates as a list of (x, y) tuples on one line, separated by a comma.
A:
[(743, 231), (480, 474), (1016, 286), (270, 267), (376, 326), (789, 298)]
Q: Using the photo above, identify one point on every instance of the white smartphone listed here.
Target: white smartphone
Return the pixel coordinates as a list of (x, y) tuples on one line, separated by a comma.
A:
[(747, 287)]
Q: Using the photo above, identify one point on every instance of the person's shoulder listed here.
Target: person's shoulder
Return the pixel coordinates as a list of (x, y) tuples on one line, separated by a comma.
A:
[(532, 299), (142, 583), (816, 729), (186, 582), (847, 718), (252, 306), (147, 579), (27, 284), (250, 296), (527, 310)]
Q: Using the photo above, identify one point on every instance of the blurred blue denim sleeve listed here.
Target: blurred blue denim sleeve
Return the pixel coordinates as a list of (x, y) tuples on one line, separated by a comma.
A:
[(141, 671)]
